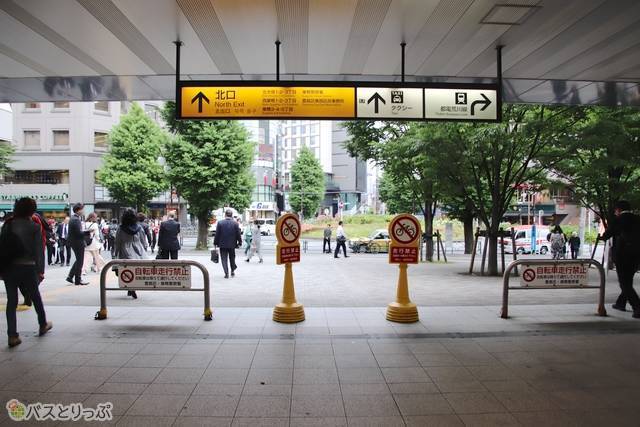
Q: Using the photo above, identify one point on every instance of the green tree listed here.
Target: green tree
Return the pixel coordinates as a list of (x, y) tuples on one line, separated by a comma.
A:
[(395, 192), (131, 171), (209, 163), (6, 151), (604, 165), (307, 183)]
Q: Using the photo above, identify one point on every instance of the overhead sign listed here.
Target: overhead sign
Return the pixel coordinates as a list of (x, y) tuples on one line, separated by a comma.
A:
[(165, 277), (266, 101), (460, 104), (288, 229), (404, 231), (337, 100), (398, 103), (545, 275)]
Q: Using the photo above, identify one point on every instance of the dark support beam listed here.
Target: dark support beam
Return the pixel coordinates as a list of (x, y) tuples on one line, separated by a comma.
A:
[(499, 81), (402, 45), (178, 44), (278, 60)]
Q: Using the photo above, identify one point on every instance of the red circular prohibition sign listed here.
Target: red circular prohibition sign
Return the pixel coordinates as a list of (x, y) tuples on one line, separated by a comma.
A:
[(126, 276), (405, 229), (290, 229), (528, 275)]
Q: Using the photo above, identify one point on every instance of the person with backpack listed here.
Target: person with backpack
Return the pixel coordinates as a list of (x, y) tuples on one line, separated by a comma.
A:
[(625, 231), (131, 241), (111, 236), (558, 242), (22, 261)]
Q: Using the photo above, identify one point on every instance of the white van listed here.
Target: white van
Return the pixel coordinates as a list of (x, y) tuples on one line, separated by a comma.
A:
[(523, 240), (267, 226)]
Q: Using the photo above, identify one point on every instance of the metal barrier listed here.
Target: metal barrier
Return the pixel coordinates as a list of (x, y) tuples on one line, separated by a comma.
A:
[(102, 314), (507, 273)]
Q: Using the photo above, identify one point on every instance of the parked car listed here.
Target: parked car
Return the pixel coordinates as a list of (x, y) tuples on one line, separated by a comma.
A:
[(378, 241), (523, 240), (267, 226)]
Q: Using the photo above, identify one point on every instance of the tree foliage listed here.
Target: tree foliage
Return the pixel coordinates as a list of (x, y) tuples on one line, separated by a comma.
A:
[(209, 164), (6, 151), (307, 183), (131, 171), (395, 192), (601, 160)]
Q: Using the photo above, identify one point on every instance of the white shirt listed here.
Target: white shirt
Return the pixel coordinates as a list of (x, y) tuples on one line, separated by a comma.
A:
[(340, 232)]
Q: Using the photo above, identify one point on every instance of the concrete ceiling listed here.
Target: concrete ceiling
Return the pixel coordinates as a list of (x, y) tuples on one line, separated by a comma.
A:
[(569, 51)]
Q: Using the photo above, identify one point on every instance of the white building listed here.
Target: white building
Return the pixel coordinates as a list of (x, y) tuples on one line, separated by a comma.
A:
[(6, 123), (315, 134)]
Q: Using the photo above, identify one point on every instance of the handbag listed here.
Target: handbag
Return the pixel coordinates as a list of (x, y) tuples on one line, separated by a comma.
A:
[(215, 256), (87, 238)]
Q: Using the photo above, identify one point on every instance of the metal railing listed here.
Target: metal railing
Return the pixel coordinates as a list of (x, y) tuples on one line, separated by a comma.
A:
[(507, 274), (102, 314)]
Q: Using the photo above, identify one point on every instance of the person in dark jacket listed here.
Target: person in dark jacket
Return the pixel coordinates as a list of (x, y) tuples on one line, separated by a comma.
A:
[(168, 243), (142, 220), (228, 239), (625, 231), (77, 243), (25, 270), (574, 245), (64, 248), (131, 241)]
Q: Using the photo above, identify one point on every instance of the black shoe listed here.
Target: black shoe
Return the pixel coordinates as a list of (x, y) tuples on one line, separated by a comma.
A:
[(82, 283), (636, 314), (246, 260), (233, 274), (226, 276), (70, 280), (260, 262), (618, 307), (134, 295), (336, 256), (346, 256), (27, 302), (67, 264)]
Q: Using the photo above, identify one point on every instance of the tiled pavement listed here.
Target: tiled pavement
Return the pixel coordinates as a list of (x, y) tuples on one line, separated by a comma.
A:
[(549, 365)]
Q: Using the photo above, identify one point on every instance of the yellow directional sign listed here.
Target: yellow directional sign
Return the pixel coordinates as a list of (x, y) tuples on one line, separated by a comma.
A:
[(266, 101)]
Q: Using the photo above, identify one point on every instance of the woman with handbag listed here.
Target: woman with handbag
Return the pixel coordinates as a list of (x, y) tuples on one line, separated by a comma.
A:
[(131, 241), (93, 244)]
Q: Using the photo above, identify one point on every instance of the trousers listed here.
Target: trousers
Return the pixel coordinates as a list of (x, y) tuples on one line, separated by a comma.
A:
[(76, 269), (230, 255), (25, 278), (626, 269), (326, 242)]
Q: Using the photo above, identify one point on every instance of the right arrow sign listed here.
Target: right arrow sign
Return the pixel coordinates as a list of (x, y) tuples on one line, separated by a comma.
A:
[(460, 104)]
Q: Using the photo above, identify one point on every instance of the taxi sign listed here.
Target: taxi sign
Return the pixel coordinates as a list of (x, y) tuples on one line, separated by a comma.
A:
[(155, 277), (288, 229), (404, 231)]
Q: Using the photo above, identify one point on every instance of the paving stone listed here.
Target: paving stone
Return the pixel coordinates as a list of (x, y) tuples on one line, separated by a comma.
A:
[(263, 406), (422, 404), (434, 421), (210, 406), (474, 403), (315, 376), (134, 375), (488, 420), (225, 376), (157, 405), (317, 406), (270, 376), (121, 402), (318, 422), (405, 375), (376, 421), (202, 422), (180, 375), (357, 405), (360, 375)]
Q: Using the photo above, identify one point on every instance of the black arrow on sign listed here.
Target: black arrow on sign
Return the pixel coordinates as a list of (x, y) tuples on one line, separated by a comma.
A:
[(201, 96), (376, 98), (484, 102)]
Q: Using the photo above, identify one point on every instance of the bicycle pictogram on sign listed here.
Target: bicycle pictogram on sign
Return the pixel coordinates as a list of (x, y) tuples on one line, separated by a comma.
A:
[(529, 275), (290, 229), (127, 276), (405, 230)]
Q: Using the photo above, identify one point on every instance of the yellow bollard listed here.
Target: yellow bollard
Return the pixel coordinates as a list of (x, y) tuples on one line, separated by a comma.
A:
[(288, 311), (288, 230), (404, 231), (402, 310)]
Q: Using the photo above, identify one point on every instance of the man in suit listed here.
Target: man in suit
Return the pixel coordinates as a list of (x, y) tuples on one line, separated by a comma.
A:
[(228, 238), (64, 250), (168, 243), (77, 243), (625, 230)]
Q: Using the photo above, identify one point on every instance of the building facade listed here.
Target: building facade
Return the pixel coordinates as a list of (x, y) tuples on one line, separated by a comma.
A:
[(59, 149)]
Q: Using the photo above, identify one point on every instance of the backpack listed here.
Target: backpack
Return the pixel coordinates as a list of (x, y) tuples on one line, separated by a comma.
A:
[(11, 247)]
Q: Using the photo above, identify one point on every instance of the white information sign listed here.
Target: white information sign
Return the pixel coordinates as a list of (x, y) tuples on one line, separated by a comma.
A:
[(460, 104), (389, 103), (545, 275), (164, 277)]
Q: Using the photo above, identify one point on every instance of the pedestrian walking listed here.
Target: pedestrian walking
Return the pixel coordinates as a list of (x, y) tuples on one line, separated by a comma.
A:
[(574, 245), (131, 241), (341, 240), (256, 238), (154, 226), (22, 265), (326, 241), (51, 242), (64, 248), (248, 235), (228, 238), (558, 243), (625, 231), (77, 243), (92, 249), (168, 242), (142, 220), (111, 236)]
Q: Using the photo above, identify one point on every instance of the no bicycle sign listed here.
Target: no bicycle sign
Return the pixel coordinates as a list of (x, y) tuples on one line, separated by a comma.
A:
[(404, 231)]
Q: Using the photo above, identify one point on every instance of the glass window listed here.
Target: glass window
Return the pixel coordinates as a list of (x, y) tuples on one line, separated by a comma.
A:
[(60, 139), (37, 177), (61, 105), (100, 140), (32, 139), (101, 106), (294, 130), (314, 129), (313, 140), (31, 105)]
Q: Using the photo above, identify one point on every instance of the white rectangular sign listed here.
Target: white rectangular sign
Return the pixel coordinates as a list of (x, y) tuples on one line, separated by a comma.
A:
[(389, 103), (165, 277), (545, 275), (460, 104)]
